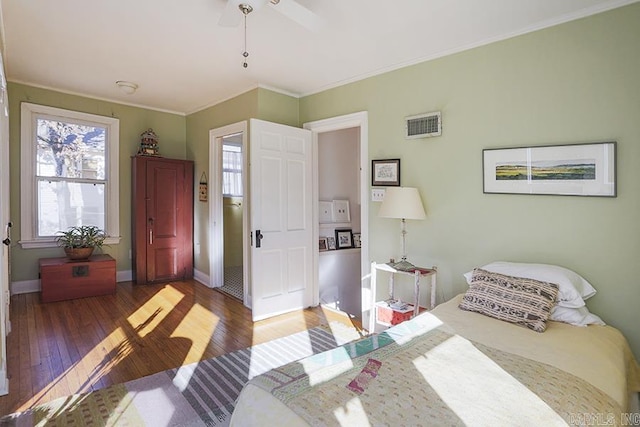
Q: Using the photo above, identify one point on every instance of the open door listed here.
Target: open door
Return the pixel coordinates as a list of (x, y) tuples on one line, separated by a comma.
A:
[(281, 204)]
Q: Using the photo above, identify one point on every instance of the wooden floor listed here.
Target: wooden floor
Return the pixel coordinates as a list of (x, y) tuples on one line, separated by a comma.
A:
[(61, 348)]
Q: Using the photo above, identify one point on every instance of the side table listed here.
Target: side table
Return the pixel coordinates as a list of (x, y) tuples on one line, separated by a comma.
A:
[(417, 273)]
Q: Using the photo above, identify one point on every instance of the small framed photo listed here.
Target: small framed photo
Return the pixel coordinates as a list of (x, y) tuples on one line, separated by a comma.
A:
[(344, 238), (385, 173), (331, 243), (325, 212), (341, 211), (357, 242), (323, 244)]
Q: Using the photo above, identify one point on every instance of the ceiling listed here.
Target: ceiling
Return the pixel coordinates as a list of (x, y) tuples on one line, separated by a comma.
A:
[(183, 60)]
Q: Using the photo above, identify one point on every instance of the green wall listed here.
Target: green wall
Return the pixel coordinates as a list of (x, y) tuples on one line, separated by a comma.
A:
[(576, 82), (258, 103), (171, 130)]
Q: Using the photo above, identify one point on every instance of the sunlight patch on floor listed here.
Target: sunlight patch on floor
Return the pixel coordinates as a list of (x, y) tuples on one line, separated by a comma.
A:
[(205, 329), (159, 305), (118, 346)]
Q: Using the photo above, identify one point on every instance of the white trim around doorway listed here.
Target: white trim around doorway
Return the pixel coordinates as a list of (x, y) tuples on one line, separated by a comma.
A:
[(355, 120), (216, 225)]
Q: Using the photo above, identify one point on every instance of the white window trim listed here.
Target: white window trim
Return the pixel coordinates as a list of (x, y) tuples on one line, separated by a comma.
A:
[(238, 170), (28, 209)]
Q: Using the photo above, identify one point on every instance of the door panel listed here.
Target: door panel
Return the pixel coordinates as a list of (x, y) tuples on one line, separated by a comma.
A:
[(163, 206), (281, 208)]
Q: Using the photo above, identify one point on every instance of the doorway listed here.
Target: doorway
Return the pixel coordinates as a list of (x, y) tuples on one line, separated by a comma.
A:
[(227, 213), (232, 214), (339, 270), (355, 124)]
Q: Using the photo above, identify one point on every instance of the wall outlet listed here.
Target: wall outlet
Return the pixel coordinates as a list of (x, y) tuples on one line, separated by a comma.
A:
[(377, 194)]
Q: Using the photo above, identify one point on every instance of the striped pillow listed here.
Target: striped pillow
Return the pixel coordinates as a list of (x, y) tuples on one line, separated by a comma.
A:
[(525, 302)]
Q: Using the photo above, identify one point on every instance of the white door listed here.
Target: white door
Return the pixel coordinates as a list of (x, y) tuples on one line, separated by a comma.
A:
[(281, 207)]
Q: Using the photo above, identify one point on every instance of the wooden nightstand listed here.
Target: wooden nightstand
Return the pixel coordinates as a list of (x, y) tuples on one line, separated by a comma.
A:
[(400, 315), (63, 278)]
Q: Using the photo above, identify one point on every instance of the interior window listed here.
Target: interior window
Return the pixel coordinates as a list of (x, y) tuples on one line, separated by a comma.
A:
[(231, 170)]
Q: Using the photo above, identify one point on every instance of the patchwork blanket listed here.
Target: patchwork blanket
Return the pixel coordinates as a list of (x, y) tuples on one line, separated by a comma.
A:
[(425, 375)]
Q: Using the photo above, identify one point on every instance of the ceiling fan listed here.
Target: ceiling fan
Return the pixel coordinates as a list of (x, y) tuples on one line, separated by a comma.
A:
[(236, 9)]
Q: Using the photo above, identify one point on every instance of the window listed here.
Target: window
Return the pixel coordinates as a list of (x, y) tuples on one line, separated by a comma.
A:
[(69, 173), (231, 169)]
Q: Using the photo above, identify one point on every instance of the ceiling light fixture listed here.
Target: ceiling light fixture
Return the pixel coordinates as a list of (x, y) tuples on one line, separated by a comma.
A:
[(246, 9), (127, 87)]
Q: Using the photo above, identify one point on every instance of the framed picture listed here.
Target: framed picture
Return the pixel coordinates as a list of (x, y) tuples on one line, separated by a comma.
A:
[(323, 244), (325, 212), (331, 243), (357, 242), (340, 212), (573, 170), (344, 238), (385, 173)]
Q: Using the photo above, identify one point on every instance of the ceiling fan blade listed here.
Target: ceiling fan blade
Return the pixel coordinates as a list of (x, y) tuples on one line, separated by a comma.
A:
[(231, 16), (299, 14)]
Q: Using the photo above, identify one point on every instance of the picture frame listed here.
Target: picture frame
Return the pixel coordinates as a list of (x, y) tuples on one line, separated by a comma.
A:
[(357, 240), (325, 212), (584, 169), (322, 244), (385, 173), (331, 243), (340, 211), (344, 238)]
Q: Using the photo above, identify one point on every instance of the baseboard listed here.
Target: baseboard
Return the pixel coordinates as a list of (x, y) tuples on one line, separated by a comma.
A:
[(25, 287), (124, 276), (29, 286), (201, 277)]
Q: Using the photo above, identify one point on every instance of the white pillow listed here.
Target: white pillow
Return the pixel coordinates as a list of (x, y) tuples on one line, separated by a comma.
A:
[(575, 316), (574, 289)]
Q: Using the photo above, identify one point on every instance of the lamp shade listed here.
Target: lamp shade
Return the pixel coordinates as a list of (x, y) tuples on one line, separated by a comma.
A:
[(403, 203)]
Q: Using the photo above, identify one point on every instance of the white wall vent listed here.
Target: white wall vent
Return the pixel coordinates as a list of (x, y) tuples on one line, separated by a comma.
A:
[(423, 125)]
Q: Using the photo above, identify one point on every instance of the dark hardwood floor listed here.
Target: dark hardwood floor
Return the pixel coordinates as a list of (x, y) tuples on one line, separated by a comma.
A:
[(61, 348)]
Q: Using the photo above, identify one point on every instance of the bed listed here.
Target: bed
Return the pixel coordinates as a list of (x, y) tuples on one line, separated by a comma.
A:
[(455, 367)]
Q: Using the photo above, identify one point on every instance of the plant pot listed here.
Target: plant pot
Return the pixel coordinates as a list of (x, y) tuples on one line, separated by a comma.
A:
[(78, 253)]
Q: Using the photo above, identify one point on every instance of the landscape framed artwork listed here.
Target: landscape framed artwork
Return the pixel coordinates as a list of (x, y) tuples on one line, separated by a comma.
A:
[(587, 169), (385, 173)]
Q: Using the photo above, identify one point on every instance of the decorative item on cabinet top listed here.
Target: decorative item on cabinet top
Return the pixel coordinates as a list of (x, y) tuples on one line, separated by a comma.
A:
[(148, 143)]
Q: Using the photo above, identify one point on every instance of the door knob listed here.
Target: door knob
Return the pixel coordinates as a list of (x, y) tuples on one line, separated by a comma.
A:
[(259, 237)]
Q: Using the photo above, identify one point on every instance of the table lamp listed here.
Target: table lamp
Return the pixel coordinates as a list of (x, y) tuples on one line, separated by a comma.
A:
[(402, 203)]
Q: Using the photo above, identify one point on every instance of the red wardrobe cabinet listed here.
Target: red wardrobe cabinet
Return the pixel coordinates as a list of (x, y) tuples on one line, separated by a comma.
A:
[(162, 205)]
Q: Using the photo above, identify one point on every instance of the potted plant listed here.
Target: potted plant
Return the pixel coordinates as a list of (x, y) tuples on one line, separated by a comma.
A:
[(79, 242)]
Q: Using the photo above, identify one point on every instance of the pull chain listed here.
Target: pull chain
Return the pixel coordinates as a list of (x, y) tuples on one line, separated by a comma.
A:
[(245, 54)]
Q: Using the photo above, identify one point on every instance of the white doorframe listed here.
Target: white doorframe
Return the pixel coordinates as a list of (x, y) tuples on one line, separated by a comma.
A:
[(5, 324), (216, 225), (354, 120)]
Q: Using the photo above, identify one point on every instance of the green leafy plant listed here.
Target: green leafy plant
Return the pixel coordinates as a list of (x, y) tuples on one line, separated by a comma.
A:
[(82, 236)]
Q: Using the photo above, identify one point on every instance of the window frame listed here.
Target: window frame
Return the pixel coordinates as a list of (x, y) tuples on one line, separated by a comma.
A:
[(230, 170), (29, 113)]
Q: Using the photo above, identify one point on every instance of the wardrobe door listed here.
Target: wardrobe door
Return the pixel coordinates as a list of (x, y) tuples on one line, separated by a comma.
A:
[(163, 216)]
